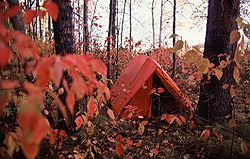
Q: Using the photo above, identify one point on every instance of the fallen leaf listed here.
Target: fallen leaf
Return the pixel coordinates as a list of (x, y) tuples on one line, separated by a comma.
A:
[(111, 114)]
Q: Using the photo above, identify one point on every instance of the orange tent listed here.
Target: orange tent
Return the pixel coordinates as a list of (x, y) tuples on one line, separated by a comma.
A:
[(144, 85)]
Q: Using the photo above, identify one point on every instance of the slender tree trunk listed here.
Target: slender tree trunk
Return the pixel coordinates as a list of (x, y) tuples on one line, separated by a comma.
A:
[(86, 31), (174, 24), (109, 41), (215, 103), (91, 24), (130, 26), (161, 23), (123, 15), (153, 25), (113, 23), (17, 19)]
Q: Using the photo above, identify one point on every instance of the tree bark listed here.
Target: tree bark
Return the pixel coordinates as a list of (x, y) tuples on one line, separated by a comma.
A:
[(215, 103), (64, 28), (86, 31)]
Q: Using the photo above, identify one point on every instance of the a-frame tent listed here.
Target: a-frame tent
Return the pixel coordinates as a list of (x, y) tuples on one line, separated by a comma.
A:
[(134, 87)]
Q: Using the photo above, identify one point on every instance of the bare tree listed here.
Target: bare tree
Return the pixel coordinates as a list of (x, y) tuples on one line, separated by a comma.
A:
[(153, 24), (86, 31), (123, 15), (160, 32), (174, 24)]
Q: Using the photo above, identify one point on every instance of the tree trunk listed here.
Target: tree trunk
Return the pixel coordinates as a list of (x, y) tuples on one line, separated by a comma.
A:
[(109, 41), (63, 28), (215, 103), (123, 15), (113, 23), (153, 24), (86, 31), (174, 24), (161, 23), (64, 44), (130, 26)]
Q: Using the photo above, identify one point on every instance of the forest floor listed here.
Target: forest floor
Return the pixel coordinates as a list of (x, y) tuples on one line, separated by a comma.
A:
[(192, 138)]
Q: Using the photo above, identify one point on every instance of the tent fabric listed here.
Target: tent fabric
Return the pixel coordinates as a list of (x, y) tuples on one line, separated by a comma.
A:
[(135, 83)]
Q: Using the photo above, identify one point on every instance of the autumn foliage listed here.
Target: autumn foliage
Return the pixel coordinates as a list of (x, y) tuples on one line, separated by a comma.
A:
[(96, 131)]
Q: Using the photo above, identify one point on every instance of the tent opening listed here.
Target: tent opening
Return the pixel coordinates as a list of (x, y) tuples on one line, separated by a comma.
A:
[(162, 100)]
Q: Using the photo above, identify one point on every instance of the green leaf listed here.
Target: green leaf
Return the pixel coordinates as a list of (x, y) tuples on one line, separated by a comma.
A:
[(178, 45)]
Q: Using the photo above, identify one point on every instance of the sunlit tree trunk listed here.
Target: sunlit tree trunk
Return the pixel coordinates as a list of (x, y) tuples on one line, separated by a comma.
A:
[(153, 24), (130, 25), (215, 103), (161, 23), (123, 15), (174, 24)]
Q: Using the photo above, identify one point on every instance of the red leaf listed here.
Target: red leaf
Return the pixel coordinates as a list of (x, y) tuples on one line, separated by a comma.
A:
[(138, 144), (155, 151), (129, 142), (80, 62), (205, 133), (191, 124), (33, 90), (70, 100), (51, 8), (42, 71), (4, 35), (5, 55), (34, 127), (41, 13), (56, 72), (118, 138), (7, 84), (119, 149), (12, 11), (111, 114), (29, 15), (144, 123), (183, 119), (25, 45), (170, 118), (79, 121), (91, 107), (179, 122)]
